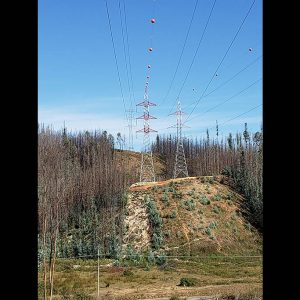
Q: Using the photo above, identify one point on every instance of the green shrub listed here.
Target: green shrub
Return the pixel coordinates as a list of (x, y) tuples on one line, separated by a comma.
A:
[(147, 268), (156, 223), (146, 198), (178, 195), (188, 282), (172, 184), (189, 204), (210, 181), (132, 254), (217, 197), (150, 257), (216, 209), (177, 298), (157, 239), (191, 193), (173, 214), (165, 198), (207, 189), (212, 225), (204, 200), (208, 231), (161, 259)]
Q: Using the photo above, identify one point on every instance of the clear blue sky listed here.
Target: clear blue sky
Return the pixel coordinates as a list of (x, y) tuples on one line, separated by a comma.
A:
[(77, 76)]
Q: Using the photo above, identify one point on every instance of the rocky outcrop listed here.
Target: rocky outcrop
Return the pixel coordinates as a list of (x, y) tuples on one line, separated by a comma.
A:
[(136, 223)]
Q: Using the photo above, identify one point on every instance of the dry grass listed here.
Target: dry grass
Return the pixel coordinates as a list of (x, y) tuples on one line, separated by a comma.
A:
[(215, 276)]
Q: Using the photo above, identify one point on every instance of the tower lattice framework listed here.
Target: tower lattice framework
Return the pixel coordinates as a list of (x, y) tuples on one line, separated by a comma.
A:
[(180, 167), (147, 173)]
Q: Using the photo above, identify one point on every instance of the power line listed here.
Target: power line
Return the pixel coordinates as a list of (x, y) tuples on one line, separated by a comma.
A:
[(241, 114), (186, 37), (124, 50), (130, 112), (193, 60), (221, 85), (225, 121), (116, 60), (224, 83), (190, 67), (253, 108), (128, 50), (230, 45), (240, 92)]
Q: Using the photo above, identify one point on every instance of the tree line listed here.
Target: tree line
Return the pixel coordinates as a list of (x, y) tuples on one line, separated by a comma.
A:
[(81, 186)]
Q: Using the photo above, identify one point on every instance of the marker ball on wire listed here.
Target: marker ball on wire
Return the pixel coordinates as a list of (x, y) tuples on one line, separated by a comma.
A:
[(150, 49), (149, 66), (250, 49), (152, 21)]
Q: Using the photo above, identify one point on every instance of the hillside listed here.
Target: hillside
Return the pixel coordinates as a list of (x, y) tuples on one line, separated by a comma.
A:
[(132, 164), (199, 215)]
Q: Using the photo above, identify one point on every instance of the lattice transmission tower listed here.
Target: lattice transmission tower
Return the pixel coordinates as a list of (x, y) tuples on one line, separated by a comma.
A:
[(180, 167), (130, 119), (147, 167)]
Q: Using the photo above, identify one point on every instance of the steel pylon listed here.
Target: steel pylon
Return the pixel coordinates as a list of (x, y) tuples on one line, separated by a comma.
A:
[(180, 166)]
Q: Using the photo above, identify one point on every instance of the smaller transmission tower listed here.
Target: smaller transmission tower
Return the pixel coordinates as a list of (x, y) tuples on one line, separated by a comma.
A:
[(147, 167), (180, 167), (130, 118)]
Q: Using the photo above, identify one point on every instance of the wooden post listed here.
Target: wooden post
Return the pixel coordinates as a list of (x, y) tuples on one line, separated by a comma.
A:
[(98, 290)]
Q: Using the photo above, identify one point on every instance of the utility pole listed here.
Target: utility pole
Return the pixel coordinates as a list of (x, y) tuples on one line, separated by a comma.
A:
[(98, 275), (147, 167), (180, 167)]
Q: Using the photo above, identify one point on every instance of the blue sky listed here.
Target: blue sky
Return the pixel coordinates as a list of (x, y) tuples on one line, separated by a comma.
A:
[(77, 76)]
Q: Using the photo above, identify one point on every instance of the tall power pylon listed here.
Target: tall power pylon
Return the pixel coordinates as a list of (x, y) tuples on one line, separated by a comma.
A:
[(147, 167), (180, 167)]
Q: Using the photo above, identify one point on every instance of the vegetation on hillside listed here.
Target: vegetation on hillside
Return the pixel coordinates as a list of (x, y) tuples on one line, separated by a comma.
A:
[(240, 158)]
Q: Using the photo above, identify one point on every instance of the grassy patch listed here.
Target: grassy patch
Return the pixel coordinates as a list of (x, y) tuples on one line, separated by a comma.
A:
[(207, 270)]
